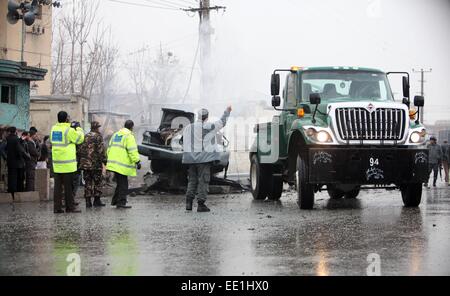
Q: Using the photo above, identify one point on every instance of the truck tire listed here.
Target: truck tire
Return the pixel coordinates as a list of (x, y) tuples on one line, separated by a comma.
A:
[(305, 191), (275, 188), (259, 179), (353, 194), (335, 193), (411, 194)]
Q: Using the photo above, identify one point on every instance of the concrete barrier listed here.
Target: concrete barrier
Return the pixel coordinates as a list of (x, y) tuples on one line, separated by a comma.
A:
[(31, 196), (43, 184)]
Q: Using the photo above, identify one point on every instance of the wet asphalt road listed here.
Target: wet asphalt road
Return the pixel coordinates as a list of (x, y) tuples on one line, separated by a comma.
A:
[(239, 237)]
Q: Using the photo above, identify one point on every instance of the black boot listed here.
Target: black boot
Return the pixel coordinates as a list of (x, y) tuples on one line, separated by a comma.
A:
[(202, 207), (88, 202), (188, 205), (98, 202)]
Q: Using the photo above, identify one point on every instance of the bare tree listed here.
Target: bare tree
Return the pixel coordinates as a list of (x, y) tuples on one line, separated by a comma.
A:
[(85, 56), (153, 77)]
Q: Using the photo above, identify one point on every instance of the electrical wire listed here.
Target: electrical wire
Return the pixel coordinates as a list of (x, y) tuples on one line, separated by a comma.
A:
[(192, 71), (143, 5), (188, 2), (164, 3)]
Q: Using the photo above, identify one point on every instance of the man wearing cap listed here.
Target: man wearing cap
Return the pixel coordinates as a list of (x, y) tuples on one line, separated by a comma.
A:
[(434, 159), (92, 155), (199, 152)]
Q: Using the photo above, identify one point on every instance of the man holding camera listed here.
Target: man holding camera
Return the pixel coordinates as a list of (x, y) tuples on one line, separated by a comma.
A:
[(64, 137)]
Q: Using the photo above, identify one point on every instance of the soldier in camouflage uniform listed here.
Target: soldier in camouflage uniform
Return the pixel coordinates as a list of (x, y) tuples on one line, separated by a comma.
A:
[(92, 158)]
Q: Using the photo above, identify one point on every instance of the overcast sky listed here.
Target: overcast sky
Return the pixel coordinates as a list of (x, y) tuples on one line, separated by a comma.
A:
[(255, 36)]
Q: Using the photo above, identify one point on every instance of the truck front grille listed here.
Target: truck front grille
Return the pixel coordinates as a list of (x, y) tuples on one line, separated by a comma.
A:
[(380, 124)]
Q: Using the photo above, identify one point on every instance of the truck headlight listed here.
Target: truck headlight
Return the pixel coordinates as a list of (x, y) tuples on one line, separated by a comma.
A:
[(323, 136), (415, 137), (318, 135)]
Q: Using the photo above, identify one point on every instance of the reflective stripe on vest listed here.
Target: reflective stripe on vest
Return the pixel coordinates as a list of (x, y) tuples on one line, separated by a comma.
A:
[(64, 161), (122, 164), (122, 147)]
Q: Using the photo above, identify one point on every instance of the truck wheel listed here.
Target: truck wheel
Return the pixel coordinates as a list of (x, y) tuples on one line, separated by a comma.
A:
[(411, 194), (305, 191), (276, 188), (353, 194), (259, 179), (335, 193)]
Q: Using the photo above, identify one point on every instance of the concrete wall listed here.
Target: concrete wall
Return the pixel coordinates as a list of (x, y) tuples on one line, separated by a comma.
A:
[(16, 115), (38, 47), (43, 114)]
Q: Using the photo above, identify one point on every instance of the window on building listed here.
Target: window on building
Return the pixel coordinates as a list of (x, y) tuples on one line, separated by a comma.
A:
[(8, 94)]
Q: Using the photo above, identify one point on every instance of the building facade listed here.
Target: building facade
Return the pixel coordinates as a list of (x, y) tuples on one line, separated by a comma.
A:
[(15, 92), (38, 44), (44, 110)]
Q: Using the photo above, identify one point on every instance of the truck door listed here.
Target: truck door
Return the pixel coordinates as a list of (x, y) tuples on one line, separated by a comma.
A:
[(289, 102)]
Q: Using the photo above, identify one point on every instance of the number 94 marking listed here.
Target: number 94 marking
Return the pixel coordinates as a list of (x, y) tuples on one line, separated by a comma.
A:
[(374, 161)]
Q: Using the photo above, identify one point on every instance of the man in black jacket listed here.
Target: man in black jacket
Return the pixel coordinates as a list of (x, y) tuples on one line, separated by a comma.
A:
[(30, 164), (16, 155)]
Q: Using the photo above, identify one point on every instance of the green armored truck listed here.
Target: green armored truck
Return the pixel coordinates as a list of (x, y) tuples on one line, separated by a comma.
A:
[(340, 130)]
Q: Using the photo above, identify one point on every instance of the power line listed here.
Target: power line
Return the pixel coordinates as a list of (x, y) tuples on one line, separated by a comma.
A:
[(192, 2), (143, 5), (192, 70), (164, 3)]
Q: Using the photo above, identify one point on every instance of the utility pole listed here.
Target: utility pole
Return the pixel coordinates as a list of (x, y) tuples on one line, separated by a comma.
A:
[(422, 83), (205, 32)]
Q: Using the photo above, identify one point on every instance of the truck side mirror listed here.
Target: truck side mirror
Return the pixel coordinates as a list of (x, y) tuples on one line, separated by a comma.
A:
[(405, 81), (406, 102), (275, 85), (419, 101), (276, 101), (314, 99)]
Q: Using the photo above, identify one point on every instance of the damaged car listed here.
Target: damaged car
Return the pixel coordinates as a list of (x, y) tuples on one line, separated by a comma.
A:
[(164, 149)]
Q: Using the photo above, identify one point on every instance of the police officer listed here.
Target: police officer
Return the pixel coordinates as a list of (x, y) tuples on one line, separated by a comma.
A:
[(92, 157), (123, 159), (434, 159), (199, 152), (64, 139)]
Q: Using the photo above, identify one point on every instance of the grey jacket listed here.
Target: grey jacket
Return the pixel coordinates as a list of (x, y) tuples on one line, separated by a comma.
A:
[(199, 141), (445, 152), (435, 153)]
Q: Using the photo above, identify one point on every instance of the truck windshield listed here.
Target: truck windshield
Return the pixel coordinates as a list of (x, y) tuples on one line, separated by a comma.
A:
[(346, 84)]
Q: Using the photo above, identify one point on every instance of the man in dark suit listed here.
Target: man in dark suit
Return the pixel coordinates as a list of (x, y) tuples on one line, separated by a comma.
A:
[(16, 156), (30, 164)]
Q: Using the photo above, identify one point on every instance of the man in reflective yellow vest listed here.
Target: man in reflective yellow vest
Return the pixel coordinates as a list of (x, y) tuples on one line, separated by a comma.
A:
[(64, 139), (123, 159)]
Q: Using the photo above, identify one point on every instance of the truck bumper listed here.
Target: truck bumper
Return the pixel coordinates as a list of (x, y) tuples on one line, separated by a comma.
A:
[(368, 165)]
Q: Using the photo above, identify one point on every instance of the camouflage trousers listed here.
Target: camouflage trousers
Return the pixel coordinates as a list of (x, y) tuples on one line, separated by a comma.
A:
[(93, 183), (199, 176)]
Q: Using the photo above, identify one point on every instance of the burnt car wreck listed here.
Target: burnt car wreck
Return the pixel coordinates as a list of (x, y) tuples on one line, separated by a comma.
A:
[(164, 149)]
